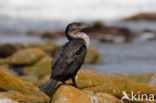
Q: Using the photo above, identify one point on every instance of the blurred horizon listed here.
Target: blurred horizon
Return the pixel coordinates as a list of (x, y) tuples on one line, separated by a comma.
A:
[(69, 10)]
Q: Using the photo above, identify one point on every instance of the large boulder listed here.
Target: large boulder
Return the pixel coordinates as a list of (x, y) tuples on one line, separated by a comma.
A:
[(101, 88), (18, 90), (101, 97), (142, 78), (49, 47), (70, 94), (115, 85), (38, 70), (7, 50), (24, 57), (4, 99), (93, 56)]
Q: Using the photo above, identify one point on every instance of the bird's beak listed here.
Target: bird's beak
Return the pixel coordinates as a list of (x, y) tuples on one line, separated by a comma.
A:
[(82, 26)]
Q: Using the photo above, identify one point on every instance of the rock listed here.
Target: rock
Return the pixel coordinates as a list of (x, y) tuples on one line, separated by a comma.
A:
[(70, 94), (153, 80), (24, 57), (7, 50), (109, 34), (51, 35), (93, 56), (142, 16), (38, 70), (32, 32), (18, 90), (6, 100), (141, 78), (106, 98), (101, 97), (50, 47), (115, 85)]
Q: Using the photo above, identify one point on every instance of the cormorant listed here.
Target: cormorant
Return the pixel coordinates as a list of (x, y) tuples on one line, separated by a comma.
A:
[(69, 58)]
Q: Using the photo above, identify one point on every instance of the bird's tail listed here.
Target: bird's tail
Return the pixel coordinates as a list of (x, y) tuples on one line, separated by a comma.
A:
[(49, 86)]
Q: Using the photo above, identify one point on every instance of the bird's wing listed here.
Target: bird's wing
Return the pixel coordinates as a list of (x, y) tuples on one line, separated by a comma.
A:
[(69, 59)]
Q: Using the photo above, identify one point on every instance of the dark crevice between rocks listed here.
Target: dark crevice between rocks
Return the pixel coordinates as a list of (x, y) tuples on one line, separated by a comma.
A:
[(3, 90), (18, 69), (88, 87), (7, 50)]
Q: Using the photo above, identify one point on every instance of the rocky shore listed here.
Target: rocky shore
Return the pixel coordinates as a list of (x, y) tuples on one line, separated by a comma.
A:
[(28, 66)]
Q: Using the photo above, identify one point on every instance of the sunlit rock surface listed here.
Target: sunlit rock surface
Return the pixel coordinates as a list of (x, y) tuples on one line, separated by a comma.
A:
[(24, 57), (16, 89), (70, 94), (115, 85), (143, 78)]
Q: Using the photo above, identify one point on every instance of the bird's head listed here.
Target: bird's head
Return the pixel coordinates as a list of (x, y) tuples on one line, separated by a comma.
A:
[(74, 31)]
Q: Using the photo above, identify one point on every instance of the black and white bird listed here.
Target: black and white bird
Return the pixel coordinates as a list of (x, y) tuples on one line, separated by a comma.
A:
[(69, 58)]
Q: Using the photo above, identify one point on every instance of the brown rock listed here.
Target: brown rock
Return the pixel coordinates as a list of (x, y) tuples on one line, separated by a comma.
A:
[(101, 97), (70, 94), (38, 70), (51, 35), (19, 90), (50, 47), (141, 78), (142, 16), (24, 57), (105, 97), (7, 50), (109, 34), (93, 56), (32, 32), (115, 85)]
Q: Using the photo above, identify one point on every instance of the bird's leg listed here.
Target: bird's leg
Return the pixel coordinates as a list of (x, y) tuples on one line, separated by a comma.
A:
[(50, 100), (63, 82), (74, 82)]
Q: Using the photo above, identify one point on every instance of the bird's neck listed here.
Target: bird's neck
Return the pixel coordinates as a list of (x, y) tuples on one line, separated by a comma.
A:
[(81, 35)]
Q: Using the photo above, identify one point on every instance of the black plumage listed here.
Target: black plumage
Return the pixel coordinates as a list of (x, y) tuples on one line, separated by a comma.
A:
[(67, 61)]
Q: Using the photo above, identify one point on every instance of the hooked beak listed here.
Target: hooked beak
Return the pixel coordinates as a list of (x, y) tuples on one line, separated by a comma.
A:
[(82, 26)]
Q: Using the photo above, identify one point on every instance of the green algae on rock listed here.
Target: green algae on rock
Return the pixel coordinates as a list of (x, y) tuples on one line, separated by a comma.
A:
[(19, 90)]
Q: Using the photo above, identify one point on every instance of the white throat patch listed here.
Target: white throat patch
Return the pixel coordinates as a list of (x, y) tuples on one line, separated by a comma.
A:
[(83, 36)]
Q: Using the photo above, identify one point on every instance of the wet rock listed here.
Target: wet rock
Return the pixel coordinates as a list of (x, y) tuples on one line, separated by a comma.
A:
[(70, 94), (115, 85), (51, 35), (32, 32), (19, 90), (93, 56), (7, 50), (24, 57), (142, 16)]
